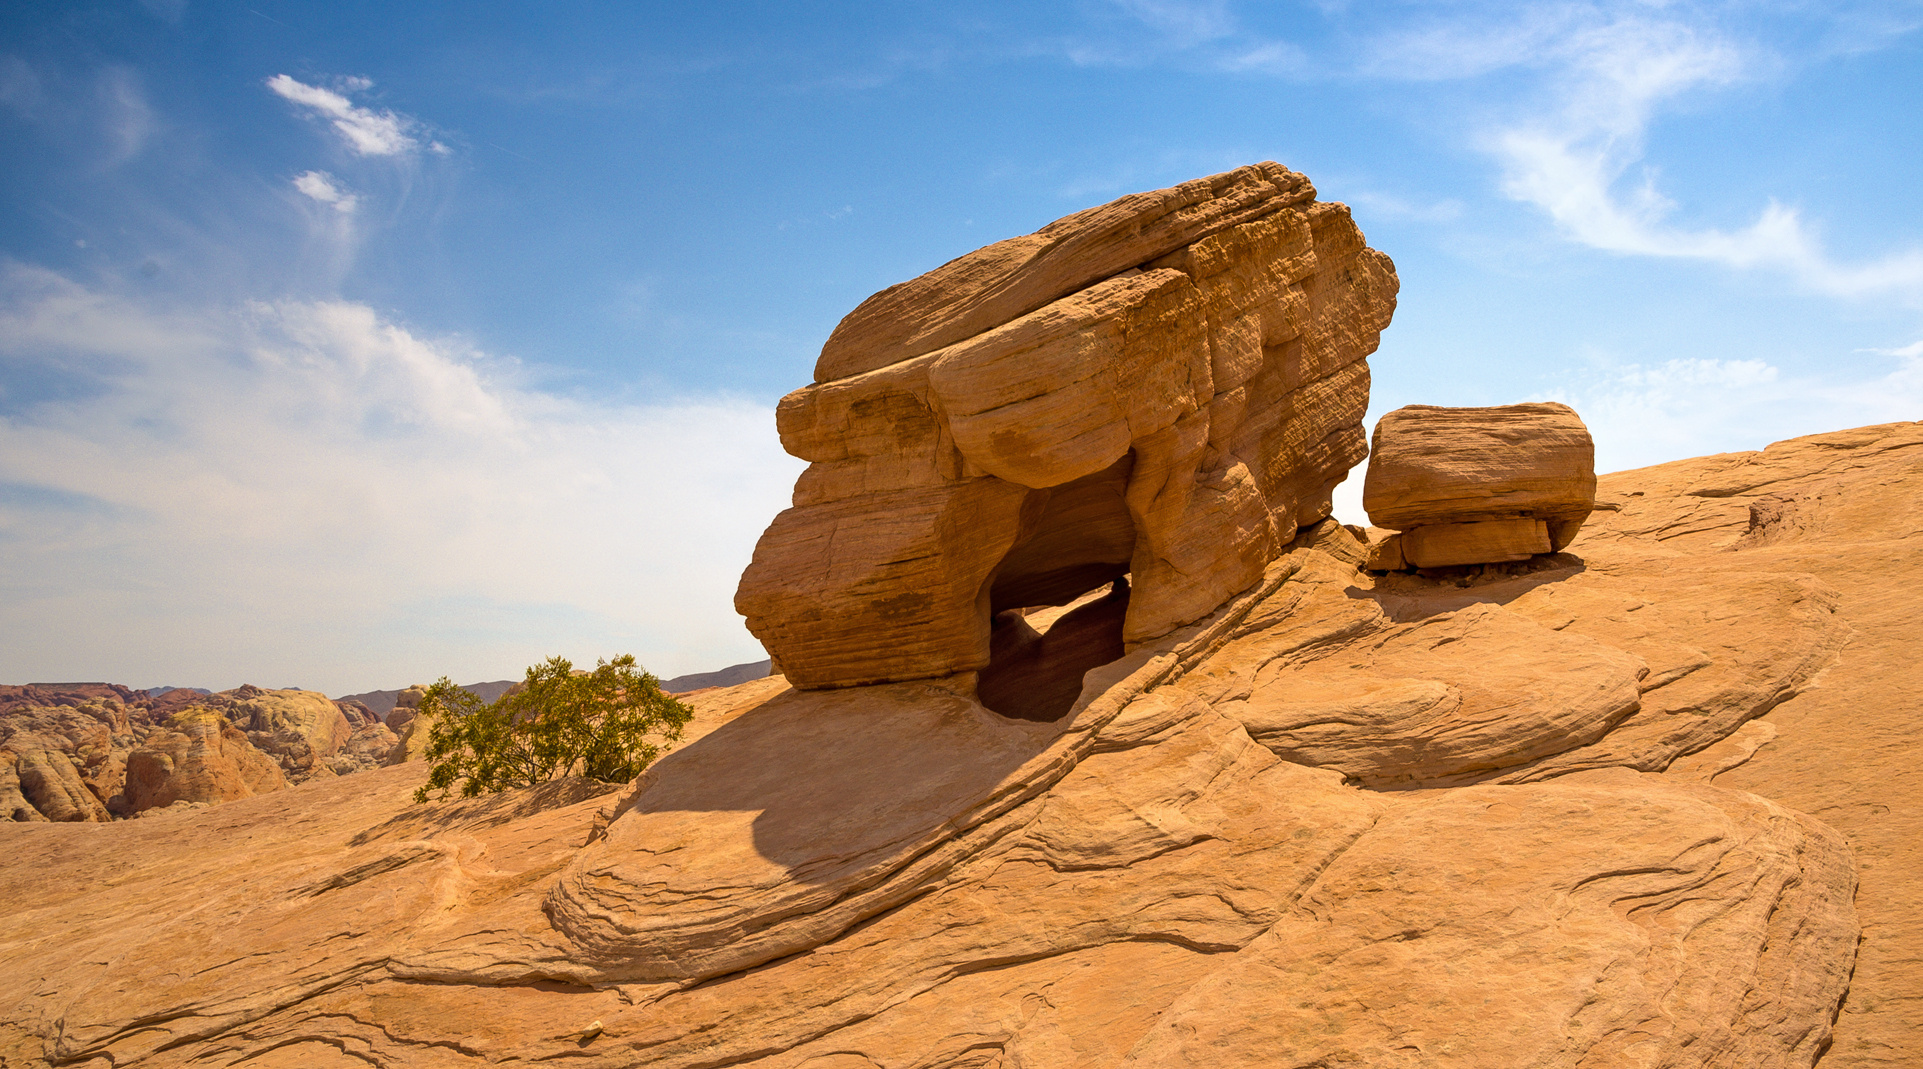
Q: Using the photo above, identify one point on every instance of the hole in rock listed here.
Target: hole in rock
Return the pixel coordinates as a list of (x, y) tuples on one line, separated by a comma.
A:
[(1081, 540), (1036, 661)]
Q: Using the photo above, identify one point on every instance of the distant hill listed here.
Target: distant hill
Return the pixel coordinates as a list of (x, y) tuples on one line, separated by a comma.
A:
[(726, 677), (382, 701)]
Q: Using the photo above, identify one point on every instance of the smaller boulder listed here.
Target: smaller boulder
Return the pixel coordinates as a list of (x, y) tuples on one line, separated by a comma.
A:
[(1479, 485), (407, 705)]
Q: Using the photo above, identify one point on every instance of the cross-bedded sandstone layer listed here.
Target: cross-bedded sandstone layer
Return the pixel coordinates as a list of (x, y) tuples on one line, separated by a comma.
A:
[(1164, 387)]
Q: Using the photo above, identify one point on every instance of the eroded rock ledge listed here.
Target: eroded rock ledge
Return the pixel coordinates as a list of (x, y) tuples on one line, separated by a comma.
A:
[(1166, 387)]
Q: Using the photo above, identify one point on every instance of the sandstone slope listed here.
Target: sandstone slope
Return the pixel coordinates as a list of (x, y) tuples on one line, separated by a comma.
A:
[(1606, 808)]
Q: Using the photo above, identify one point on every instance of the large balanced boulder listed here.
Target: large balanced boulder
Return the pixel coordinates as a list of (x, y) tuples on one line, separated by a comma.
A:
[(1166, 386), (1480, 485)]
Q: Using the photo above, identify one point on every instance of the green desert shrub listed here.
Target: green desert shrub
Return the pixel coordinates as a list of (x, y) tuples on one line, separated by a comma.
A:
[(608, 724)]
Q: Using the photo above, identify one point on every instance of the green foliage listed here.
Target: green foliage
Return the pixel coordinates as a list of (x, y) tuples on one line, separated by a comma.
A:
[(608, 724)]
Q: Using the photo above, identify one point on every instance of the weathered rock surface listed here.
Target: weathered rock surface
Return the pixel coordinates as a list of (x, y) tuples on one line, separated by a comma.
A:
[(1571, 949), (1844, 510), (96, 752), (197, 757), (1480, 485), (299, 728), (1166, 386), (1258, 840)]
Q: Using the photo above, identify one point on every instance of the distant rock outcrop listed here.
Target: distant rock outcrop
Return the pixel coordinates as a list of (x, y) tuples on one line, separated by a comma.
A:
[(95, 751), (1166, 386), (197, 757)]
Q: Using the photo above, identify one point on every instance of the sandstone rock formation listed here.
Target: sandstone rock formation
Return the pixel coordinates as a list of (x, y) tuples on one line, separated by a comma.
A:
[(299, 728), (1102, 744), (1478, 485), (407, 706), (94, 752), (1211, 859), (197, 757), (1166, 386)]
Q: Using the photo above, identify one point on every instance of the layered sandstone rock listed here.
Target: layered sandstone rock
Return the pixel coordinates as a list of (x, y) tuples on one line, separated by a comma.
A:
[(66, 749), (198, 757), (298, 728), (1478, 485), (1166, 387), (1477, 818), (65, 762)]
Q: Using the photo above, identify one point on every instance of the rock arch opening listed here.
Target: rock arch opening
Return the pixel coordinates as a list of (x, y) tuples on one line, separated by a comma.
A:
[(1045, 630)]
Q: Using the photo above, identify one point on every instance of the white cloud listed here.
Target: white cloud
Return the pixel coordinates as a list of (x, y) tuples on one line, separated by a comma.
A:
[(303, 493), (1281, 58), (1206, 33), (320, 186), (128, 119), (1913, 349), (1184, 23), (1642, 414), (366, 132), (1611, 72)]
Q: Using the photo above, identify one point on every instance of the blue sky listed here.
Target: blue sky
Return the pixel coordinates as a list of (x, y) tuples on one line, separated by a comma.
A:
[(349, 345)]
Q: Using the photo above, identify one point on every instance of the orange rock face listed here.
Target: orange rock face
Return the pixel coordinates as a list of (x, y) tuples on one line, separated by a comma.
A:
[(1166, 387), (1480, 485), (198, 757)]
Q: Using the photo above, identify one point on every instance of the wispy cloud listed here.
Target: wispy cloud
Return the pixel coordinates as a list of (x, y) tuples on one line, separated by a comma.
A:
[(320, 186), (1610, 71), (1391, 206), (1202, 33), (364, 131), (1645, 414), (129, 119), (1589, 77), (304, 492), (1914, 350), (1184, 23)]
